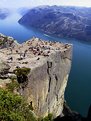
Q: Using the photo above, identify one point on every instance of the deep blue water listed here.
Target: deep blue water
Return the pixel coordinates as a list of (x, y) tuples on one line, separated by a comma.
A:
[(78, 91)]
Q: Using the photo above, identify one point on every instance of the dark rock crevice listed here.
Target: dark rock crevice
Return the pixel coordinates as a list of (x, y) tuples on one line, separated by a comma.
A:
[(49, 66), (56, 78), (49, 83)]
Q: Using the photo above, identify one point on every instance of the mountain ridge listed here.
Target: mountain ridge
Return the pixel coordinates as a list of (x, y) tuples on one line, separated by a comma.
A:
[(61, 21)]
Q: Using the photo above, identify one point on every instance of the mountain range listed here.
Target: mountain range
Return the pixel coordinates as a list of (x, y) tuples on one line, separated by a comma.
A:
[(60, 21)]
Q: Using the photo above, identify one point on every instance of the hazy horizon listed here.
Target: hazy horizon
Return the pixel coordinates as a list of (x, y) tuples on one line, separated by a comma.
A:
[(34, 3)]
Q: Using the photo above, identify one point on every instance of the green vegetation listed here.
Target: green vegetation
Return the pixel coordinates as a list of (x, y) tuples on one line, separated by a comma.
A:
[(47, 118), (14, 108), (22, 71), (12, 86), (1, 42), (21, 74)]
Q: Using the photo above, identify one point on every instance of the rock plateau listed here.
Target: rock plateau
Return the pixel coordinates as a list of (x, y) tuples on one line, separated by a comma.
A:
[(50, 64)]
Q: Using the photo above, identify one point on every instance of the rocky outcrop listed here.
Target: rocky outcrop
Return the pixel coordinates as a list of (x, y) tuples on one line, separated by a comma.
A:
[(7, 42), (3, 68), (61, 21), (47, 83), (50, 64)]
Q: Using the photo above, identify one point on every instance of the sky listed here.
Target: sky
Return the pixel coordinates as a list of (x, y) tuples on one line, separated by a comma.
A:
[(33, 3)]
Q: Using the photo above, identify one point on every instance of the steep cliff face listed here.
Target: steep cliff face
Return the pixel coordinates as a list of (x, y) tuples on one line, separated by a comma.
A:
[(50, 64), (47, 84)]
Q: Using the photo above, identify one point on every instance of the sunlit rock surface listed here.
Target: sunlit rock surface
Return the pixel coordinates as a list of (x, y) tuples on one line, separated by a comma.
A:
[(50, 64)]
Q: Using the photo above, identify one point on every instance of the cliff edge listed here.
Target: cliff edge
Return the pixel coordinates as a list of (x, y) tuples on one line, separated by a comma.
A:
[(50, 64)]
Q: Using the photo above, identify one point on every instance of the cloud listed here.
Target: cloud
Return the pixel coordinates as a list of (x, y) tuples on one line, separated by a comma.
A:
[(31, 3)]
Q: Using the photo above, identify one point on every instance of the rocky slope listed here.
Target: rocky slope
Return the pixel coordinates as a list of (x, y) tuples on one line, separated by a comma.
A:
[(50, 64), (7, 41), (61, 21)]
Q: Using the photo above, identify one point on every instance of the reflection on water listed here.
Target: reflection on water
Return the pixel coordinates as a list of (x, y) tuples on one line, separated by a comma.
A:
[(78, 90)]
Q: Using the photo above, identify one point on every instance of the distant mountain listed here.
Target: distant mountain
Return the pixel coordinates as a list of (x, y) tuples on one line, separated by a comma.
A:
[(23, 10), (4, 13), (61, 21)]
